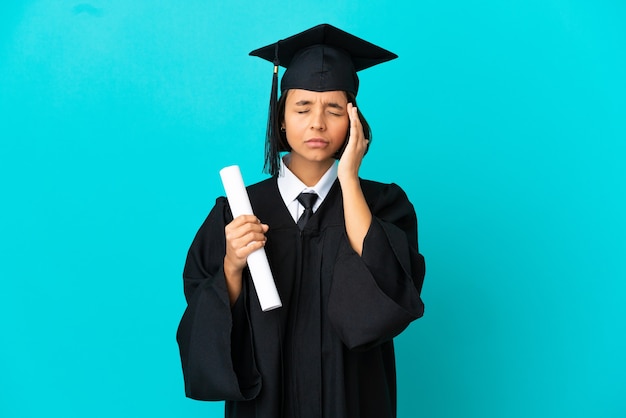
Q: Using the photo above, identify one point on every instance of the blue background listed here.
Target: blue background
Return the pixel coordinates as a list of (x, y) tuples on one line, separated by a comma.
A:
[(503, 121)]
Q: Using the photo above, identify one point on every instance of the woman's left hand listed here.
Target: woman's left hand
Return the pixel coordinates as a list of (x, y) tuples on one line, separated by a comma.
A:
[(350, 160)]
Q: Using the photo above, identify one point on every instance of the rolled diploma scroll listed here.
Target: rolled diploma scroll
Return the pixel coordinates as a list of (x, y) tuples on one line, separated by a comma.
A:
[(257, 261)]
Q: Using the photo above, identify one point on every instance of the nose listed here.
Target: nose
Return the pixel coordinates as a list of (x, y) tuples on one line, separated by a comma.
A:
[(317, 121)]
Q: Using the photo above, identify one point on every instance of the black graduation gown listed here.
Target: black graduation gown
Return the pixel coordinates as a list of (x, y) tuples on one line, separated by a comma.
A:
[(328, 352)]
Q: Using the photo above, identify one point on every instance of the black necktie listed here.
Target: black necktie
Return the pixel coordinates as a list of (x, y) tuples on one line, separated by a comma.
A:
[(307, 200)]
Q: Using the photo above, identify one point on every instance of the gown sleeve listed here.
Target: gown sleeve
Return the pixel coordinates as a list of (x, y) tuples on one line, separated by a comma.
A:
[(214, 339), (375, 296)]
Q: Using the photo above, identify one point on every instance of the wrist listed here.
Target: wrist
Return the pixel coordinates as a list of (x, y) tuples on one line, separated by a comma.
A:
[(233, 276), (231, 271), (350, 184)]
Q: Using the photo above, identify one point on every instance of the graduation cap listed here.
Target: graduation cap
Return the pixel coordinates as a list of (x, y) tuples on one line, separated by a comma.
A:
[(323, 58)]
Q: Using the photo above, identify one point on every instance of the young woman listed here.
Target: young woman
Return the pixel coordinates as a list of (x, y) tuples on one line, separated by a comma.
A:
[(343, 252)]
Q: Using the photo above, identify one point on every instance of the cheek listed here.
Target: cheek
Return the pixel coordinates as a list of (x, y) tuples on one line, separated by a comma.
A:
[(292, 133), (341, 129), (290, 129), (293, 124), (340, 135)]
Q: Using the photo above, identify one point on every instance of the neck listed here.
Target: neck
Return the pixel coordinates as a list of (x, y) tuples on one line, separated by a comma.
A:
[(309, 172)]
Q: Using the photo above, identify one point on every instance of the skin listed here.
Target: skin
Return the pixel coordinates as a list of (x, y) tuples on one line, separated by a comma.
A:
[(316, 124)]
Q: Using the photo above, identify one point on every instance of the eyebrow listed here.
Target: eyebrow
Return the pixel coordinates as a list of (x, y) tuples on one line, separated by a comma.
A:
[(308, 102)]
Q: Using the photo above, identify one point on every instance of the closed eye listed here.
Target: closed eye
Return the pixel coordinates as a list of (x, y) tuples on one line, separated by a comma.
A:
[(335, 109)]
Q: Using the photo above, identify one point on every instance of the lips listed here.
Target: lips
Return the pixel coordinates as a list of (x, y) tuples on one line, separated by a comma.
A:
[(316, 142)]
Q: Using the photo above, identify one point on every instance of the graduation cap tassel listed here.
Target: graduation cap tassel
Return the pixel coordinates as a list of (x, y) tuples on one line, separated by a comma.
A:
[(272, 151)]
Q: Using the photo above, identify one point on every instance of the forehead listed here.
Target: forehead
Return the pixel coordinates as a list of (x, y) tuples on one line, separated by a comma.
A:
[(299, 95)]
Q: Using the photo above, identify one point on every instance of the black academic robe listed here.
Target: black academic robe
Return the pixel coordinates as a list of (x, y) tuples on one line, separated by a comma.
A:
[(328, 352)]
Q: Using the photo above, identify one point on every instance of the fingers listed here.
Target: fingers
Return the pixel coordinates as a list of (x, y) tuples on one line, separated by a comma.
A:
[(355, 122), (243, 219), (357, 135), (244, 230), (356, 147), (244, 235)]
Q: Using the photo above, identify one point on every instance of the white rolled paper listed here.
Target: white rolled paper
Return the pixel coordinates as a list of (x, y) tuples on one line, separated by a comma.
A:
[(257, 261)]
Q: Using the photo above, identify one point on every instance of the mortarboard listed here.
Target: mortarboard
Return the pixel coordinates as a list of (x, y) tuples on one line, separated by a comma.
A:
[(323, 58)]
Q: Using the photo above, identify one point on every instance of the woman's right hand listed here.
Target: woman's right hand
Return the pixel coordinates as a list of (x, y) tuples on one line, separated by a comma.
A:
[(244, 235)]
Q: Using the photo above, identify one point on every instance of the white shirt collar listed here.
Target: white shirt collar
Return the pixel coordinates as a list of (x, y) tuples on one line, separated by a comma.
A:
[(291, 186)]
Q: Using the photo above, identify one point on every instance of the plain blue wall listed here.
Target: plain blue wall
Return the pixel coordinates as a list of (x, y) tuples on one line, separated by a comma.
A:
[(503, 121)]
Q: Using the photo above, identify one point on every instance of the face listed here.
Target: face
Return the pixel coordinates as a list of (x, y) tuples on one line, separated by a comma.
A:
[(316, 125)]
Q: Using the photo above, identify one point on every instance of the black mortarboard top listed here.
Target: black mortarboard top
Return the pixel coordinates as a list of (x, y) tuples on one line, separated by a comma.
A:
[(323, 58)]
